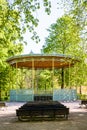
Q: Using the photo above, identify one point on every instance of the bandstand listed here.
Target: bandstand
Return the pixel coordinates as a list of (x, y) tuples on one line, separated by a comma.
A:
[(49, 107), (42, 61)]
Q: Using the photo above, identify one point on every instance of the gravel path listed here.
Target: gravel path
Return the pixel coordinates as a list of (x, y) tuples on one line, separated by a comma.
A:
[(77, 119)]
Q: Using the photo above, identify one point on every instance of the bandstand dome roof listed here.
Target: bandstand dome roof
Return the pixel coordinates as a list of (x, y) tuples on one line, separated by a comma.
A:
[(41, 61)]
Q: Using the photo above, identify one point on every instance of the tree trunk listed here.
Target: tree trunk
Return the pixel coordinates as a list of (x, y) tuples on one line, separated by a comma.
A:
[(80, 91)]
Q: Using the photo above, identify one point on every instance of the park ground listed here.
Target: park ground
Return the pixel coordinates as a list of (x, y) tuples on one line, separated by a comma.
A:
[(77, 119)]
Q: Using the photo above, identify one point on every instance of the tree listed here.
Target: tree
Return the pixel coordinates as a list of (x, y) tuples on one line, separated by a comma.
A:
[(77, 9), (9, 34), (10, 31), (44, 80), (27, 10), (64, 38)]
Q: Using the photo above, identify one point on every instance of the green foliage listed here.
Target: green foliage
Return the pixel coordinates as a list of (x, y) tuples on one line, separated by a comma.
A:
[(10, 30), (27, 10), (45, 82), (65, 38), (9, 46), (9, 33), (82, 97), (62, 37), (77, 9)]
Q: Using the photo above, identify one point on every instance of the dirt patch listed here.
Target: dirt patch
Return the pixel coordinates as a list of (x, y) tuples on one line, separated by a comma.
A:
[(77, 119)]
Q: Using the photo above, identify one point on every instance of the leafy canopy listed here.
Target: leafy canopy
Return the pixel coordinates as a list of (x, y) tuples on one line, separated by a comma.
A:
[(9, 35), (28, 18), (63, 37)]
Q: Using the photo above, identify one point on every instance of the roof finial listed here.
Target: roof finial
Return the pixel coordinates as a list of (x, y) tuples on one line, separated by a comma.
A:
[(31, 52)]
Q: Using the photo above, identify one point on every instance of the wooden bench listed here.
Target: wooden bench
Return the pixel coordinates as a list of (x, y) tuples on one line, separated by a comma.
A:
[(84, 102), (2, 105), (42, 110)]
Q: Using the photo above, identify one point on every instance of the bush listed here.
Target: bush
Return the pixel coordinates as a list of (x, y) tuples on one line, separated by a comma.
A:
[(82, 96)]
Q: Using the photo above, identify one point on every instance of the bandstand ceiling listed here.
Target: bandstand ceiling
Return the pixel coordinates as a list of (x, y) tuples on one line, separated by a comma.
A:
[(38, 61)]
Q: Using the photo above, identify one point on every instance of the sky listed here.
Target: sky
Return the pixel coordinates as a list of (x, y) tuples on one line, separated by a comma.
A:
[(44, 23)]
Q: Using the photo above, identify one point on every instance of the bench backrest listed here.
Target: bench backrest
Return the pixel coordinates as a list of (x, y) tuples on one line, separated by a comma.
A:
[(2, 104)]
